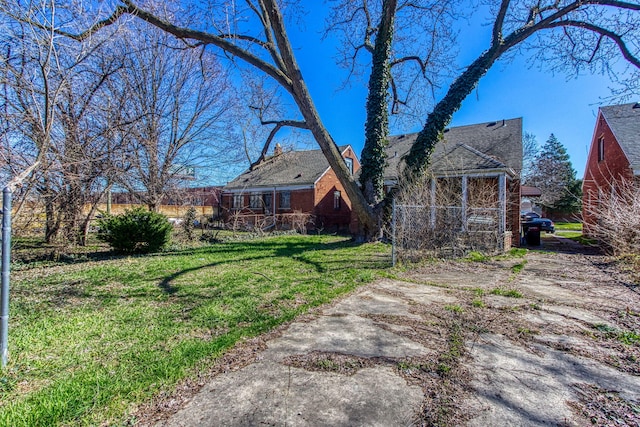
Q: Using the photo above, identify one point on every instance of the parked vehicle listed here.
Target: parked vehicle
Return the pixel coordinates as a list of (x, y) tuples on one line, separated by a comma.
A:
[(533, 219)]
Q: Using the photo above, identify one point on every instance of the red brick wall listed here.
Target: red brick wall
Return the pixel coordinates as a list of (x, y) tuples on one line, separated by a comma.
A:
[(599, 175), (327, 217)]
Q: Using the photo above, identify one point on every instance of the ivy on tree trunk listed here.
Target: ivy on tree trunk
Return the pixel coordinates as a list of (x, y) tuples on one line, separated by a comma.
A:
[(377, 124)]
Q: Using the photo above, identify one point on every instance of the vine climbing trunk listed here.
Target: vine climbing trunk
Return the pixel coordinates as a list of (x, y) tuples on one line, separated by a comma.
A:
[(377, 123), (417, 160)]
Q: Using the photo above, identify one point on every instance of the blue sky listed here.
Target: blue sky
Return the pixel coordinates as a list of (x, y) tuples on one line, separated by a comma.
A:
[(548, 104)]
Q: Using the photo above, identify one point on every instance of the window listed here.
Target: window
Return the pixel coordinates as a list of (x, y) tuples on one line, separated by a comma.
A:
[(601, 148), (267, 199), (336, 200), (255, 201), (349, 162), (237, 201), (285, 200)]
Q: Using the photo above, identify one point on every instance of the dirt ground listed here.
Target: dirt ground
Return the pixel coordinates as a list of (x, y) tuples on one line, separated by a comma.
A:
[(549, 339)]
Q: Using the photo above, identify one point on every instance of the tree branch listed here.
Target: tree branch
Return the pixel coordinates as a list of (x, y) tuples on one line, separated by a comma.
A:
[(185, 33), (617, 39), (279, 125), (496, 37), (421, 63)]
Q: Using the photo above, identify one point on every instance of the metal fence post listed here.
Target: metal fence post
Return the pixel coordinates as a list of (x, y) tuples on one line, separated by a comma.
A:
[(6, 259)]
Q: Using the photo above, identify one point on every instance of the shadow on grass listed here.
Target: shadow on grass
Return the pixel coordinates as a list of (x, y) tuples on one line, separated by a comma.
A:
[(298, 251)]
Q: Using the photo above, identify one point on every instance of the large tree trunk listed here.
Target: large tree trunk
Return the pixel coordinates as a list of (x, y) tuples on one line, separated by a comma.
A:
[(366, 216), (377, 124)]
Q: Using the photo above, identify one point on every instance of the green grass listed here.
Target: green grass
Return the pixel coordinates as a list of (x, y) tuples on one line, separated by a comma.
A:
[(91, 340), (475, 256), (454, 308), (573, 231), (569, 234), (517, 268), (625, 337), (569, 226), (511, 293), (478, 303)]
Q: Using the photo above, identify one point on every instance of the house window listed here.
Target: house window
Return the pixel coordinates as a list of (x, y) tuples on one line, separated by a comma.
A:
[(237, 201), (336, 200), (601, 148), (267, 201), (285, 200), (349, 162), (255, 201)]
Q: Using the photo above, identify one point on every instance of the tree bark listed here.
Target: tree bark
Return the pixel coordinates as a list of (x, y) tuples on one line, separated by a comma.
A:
[(377, 124), (417, 160), (302, 97)]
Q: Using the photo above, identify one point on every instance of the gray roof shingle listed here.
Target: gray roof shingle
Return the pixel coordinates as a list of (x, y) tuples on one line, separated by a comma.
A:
[(491, 145), (624, 121), (288, 168)]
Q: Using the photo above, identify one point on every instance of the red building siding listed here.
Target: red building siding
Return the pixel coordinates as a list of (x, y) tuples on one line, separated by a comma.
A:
[(329, 215), (602, 174)]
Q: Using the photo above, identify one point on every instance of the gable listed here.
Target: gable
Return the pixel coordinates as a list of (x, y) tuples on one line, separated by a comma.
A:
[(463, 158), (624, 122)]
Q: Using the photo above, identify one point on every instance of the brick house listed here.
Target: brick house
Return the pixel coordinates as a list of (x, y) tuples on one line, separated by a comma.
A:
[(614, 157), (474, 157), (289, 188)]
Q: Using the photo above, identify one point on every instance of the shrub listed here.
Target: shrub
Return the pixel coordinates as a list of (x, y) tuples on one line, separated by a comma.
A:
[(617, 224), (136, 230), (189, 222)]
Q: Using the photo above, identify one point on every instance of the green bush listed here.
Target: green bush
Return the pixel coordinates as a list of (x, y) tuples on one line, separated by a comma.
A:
[(189, 223), (137, 230)]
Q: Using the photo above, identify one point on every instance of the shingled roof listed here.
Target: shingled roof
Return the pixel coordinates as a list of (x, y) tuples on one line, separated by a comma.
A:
[(290, 168), (624, 122), (483, 146)]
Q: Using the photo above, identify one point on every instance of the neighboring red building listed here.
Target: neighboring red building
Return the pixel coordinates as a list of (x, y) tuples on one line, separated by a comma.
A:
[(289, 188), (614, 157)]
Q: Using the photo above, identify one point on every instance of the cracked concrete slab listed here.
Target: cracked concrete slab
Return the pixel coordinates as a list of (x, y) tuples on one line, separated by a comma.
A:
[(278, 395), (517, 387)]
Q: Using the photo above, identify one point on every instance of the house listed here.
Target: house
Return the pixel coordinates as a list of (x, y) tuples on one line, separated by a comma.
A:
[(482, 162), (290, 189), (613, 160)]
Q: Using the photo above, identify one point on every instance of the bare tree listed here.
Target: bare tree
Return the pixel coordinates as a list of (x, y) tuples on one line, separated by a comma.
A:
[(530, 151), (35, 78), (405, 66), (54, 94), (570, 35), (177, 100)]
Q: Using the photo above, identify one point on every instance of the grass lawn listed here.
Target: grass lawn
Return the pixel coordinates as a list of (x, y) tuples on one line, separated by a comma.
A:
[(90, 340), (570, 230), (569, 226)]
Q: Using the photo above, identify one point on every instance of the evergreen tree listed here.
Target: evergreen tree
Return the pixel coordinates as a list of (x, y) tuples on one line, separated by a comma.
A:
[(554, 175)]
